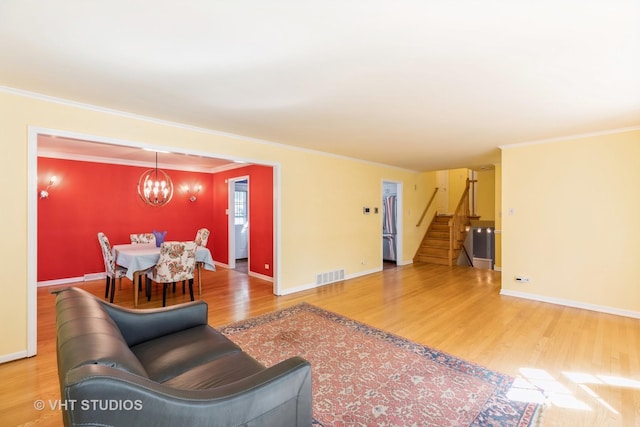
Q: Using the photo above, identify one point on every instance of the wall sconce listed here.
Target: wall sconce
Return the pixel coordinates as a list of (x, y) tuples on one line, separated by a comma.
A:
[(192, 192), (45, 193)]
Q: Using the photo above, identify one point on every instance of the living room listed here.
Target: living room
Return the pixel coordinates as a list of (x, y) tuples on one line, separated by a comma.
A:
[(565, 206), (546, 171)]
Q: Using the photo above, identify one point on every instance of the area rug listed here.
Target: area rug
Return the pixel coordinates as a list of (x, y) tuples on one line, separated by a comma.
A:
[(363, 376)]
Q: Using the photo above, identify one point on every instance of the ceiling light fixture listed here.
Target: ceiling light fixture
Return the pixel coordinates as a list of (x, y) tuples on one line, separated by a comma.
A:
[(155, 187)]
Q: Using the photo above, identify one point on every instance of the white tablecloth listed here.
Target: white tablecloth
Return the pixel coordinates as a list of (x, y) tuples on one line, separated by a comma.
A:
[(140, 257)]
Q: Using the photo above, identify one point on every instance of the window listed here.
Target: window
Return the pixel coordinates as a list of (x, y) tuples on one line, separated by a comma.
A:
[(240, 207)]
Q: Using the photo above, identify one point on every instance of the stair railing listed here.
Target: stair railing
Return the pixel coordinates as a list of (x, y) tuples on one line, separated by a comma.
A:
[(458, 222), (424, 213)]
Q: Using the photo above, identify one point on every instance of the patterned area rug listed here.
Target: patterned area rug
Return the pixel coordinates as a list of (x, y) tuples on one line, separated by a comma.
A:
[(363, 376)]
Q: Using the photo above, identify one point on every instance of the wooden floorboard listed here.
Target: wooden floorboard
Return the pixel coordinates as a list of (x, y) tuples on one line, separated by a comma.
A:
[(588, 362)]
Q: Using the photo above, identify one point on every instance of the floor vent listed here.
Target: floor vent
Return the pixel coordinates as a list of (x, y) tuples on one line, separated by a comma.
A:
[(329, 277)]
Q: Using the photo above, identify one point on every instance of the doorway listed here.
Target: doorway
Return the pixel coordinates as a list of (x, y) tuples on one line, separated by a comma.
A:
[(391, 224), (32, 220), (239, 229)]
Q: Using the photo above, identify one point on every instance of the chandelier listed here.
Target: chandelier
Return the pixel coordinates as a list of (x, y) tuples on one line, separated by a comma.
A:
[(155, 187)]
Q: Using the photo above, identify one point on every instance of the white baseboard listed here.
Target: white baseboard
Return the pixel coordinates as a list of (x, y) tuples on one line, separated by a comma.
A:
[(13, 356), (261, 276), (61, 281), (94, 276), (301, 288), (574, 304), (497, 268), (250, 273), (405, 262), (309, 286)]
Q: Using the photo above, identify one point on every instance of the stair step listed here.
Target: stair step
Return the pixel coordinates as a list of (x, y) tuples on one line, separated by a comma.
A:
[(438, 235), (440, 227), (434, 251), (437, 243), (432, 260)]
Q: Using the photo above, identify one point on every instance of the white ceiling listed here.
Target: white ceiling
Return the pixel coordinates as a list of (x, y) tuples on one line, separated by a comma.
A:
[(92, 151), (419, 84)]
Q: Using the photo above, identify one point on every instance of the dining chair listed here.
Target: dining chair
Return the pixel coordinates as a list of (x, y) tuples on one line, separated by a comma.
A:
[(137, 238), (202, 237), (142, 238), (112, 270), (176, 263)]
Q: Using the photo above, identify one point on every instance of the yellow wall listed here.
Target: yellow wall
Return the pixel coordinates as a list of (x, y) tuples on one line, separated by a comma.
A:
[(322, 225), (485, 203), (457, 184), (486, 194), (570, 220)]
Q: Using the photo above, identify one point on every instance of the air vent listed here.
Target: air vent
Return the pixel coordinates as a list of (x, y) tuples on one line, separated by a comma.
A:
[(330, 277)]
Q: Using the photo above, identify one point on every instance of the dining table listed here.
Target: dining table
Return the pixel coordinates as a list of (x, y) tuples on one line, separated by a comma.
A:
[(137, 258)]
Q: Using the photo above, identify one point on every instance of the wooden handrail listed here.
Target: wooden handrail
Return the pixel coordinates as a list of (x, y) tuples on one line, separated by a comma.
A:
[(464, 199), (459, 220), (472, 182), (424, 213)]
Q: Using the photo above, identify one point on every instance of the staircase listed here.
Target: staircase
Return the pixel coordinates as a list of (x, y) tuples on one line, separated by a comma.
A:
[(435, 245), (444, 239)]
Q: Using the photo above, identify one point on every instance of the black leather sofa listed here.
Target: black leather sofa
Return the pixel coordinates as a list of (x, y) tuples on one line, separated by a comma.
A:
[(167, 367)]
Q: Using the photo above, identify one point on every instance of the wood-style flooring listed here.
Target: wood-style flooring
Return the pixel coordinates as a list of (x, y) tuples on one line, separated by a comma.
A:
[(587, 362)]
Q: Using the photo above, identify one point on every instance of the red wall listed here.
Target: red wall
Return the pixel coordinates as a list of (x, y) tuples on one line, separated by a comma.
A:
[(260, 216), (92, 197)]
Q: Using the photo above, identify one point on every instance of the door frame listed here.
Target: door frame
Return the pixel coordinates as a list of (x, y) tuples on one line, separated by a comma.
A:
[(32, 213)]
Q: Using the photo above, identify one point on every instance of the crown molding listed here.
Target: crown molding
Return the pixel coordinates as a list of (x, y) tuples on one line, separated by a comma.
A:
[(81, 105), (570, 137)]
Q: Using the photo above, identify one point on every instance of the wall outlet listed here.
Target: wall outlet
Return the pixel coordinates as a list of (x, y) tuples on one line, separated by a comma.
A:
[(266, 266), (523, 279)]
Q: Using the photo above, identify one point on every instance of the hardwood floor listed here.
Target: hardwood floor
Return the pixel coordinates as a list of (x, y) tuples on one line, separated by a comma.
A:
[(588, 362)]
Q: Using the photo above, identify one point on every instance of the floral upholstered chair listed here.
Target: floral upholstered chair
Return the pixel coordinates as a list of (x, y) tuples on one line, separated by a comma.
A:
[(112, 270), (202, 237), (143, 238), (177, 262)]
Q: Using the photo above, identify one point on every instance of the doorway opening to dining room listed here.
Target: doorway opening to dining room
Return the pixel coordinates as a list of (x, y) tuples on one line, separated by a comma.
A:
[(70, 147)]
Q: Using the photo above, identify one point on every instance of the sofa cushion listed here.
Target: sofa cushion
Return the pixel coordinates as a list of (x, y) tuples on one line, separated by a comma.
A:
[(87, 335), (171, 355), (224, 370)]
